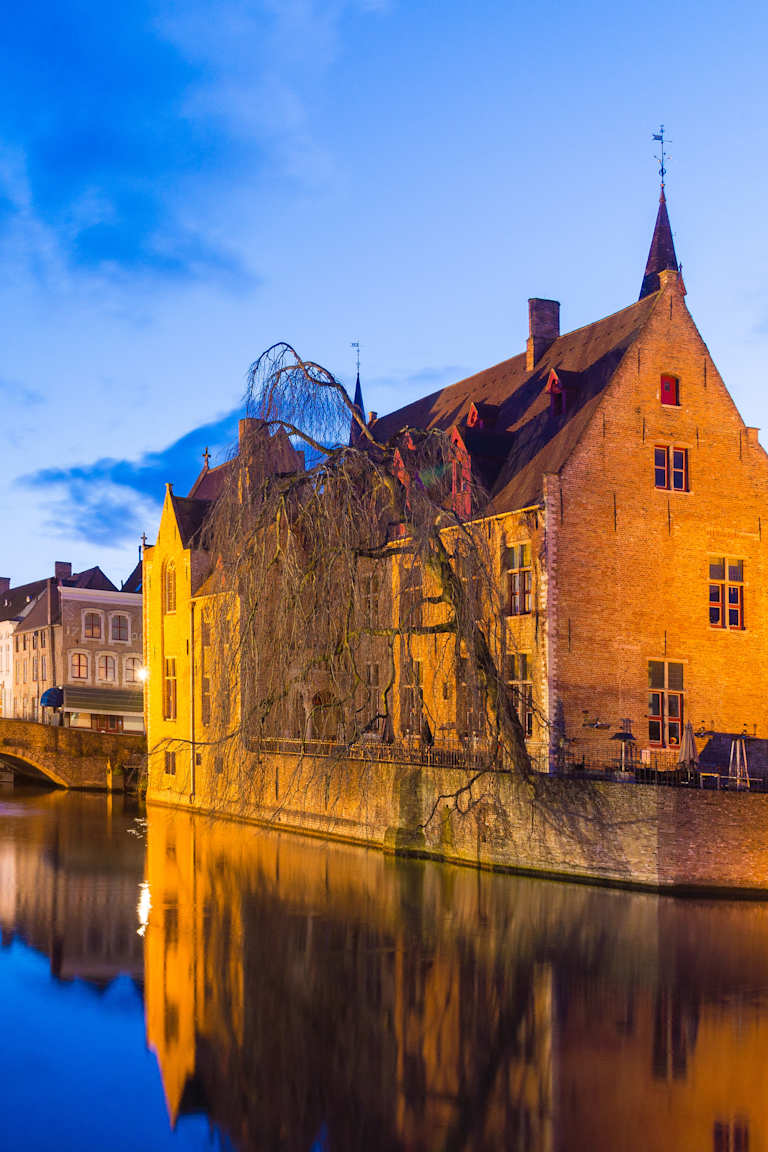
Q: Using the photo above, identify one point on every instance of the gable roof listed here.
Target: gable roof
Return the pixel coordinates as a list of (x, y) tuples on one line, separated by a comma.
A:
[(134, 581), (190, 516), (15, 600), (527, 439)]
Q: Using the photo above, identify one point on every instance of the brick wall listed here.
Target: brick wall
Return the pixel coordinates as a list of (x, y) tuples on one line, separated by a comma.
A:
[(72, 757)]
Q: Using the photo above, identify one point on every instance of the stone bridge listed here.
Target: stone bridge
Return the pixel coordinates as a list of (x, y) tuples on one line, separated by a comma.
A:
[(69, 757)]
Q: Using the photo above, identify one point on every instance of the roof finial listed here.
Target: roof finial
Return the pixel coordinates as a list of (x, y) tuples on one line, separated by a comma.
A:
[(659, 136), (356, 345), (354, 432), (206, 457)]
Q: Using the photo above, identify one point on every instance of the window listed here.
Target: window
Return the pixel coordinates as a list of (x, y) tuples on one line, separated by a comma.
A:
[(410, 596), (34, 668), (169, 690), (132, 665), (120, 628), (107, 668), (205, 700), (670, 468), (42, 639), (670, 391), (43, 668), (726, 592), (517, 563), (170, 763), (374, 710), (78, 666), (410, 696), (205, 632), (520, 689), (468, 712), (24, 670), (169, 588), (92, 626), (370, 592), (665, 703), (34, 640)]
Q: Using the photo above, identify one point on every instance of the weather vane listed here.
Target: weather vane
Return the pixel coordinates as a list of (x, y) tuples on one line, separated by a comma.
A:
[(356, 345), (659, 136)]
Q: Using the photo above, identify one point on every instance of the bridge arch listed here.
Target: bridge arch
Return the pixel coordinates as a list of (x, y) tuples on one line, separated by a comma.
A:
[(30, 770)]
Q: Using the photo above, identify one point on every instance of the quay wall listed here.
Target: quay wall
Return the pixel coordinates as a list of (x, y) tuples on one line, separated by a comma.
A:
[(656, 837)]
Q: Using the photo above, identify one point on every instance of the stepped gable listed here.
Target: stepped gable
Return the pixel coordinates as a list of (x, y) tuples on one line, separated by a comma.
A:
[(528, 439)]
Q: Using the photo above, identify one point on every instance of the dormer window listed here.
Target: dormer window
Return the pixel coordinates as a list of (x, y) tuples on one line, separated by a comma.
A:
[(473, 417), (670, 391), (554, 389)]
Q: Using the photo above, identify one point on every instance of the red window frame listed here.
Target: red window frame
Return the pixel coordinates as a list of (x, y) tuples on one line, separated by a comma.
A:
[(726, 593), (679, 469), (670, 391), (661, 466), (665, 704), (92, 626), (79, 666), (670, 468)]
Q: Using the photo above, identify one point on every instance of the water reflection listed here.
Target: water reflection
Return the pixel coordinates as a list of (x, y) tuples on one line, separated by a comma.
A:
[(301, 995), (307, 995)]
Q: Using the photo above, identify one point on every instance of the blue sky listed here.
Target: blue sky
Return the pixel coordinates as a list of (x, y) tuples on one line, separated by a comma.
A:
[(183, 184)]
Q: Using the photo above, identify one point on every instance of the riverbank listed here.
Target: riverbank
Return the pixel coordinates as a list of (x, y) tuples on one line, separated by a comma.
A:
[(679, 841)]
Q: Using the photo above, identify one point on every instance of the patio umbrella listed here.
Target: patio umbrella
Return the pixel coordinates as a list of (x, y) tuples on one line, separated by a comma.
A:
[(688, 754), (626, 738)]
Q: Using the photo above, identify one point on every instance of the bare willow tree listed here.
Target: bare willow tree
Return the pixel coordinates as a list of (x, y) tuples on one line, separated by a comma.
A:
[(350, 586)]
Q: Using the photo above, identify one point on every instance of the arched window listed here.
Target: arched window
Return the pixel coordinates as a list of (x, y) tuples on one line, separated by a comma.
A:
[(169, 587), (120, 630), (92, 626), (132, 665), (107, 668), (79, 666)]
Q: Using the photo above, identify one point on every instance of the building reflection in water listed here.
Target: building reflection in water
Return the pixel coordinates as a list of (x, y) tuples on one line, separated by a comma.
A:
[(69, 877), (313, 995)]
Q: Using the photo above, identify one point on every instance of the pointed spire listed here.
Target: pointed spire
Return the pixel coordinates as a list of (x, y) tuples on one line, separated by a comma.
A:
[(354, 430), (662, 253)]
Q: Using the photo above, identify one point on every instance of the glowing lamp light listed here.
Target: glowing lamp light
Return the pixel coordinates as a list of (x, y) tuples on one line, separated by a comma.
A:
[(142, 673)]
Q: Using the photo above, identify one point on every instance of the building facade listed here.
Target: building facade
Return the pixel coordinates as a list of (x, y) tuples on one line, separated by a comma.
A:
[(623, 509), (78, 639)]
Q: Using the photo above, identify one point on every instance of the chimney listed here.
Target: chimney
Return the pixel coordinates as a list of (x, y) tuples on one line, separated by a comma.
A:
[(5, 584), (372, 417), (62, 570), (544, 326)]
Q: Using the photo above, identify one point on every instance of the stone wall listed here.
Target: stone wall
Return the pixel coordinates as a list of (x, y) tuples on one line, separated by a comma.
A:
[(618, 833), (71, 757)]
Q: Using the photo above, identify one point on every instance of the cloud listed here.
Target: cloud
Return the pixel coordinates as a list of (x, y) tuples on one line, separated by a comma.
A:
[(111, 501), (94, 107)]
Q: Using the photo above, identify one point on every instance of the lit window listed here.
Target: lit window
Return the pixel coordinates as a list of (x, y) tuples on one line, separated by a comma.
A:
[(120, 628), (92, 626), (670, 468), (107, 668), (205, 700), (169, 588), (520, 688), (132, 665), (410, 696), (670, 390), (726, 592), (169, 690), (665, 703), (517, 563), (79, 666)]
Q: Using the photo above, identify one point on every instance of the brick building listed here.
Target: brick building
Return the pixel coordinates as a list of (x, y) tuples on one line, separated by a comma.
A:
[(624, 500)]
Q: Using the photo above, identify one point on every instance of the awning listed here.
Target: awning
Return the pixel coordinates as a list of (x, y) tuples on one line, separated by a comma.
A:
[(103, 701), (52, 698)]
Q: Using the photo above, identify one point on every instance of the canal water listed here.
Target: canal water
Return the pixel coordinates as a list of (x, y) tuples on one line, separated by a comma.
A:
[(178, 982)]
